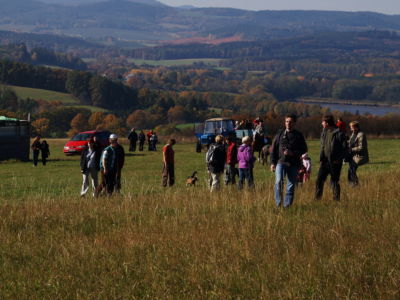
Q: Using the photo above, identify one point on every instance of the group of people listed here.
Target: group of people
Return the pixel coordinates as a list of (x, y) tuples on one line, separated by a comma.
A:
[(134, 137), (288, 156), (40, 147), (290, 160), (108, 161)]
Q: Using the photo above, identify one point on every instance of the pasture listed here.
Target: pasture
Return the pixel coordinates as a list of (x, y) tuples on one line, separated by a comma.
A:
[(182, 242)]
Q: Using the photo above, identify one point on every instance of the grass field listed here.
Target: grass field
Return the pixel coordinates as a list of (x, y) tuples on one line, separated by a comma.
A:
[(175, 62), (47, 95), (182, 242)]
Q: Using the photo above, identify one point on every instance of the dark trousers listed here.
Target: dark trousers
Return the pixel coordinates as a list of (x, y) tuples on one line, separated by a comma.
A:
[(230, 174), (352, 173), (108, 182), (44, 159), (326, 168), (132, 146), (35, 157), (168, 175), (141, 144)]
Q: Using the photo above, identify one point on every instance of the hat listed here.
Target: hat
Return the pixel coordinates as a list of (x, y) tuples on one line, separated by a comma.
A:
[(113, 136)]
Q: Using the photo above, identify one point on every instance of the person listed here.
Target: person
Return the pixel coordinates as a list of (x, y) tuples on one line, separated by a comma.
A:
[(142, 139), (168, 172), (231, 161), (110, 163), (215, 159), (154, 141), (333, 151), (132, 137), (287, 148), (246, 163), (358, 150), (44, 148), (305, 170), (150, 145), (90, 166), (341, 125), (35, 150), (120, 152)]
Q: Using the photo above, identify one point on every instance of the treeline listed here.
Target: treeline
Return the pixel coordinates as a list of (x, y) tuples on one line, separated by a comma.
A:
[(41, 56)]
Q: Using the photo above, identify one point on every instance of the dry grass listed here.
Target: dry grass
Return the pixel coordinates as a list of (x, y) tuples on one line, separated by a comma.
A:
[(184, 243)]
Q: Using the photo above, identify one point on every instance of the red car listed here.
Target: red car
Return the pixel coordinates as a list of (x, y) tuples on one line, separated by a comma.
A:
[(79, 142)]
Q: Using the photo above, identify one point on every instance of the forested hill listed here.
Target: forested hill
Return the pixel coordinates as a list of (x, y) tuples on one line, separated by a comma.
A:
[(152, 21), (326, 47)]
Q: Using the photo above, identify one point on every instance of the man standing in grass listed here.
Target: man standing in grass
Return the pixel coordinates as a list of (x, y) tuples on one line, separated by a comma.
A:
[(168, 173), (333, 151), (111, 163), (215, 159), (287, 148)]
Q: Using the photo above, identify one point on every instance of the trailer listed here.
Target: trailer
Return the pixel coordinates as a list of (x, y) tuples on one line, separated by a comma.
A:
[(14, 139)]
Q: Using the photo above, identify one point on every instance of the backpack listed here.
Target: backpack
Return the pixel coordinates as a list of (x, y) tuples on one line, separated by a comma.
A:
[(210, 155)]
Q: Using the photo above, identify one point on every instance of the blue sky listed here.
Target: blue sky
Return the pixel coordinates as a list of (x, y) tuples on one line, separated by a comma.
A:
[(382, 6)]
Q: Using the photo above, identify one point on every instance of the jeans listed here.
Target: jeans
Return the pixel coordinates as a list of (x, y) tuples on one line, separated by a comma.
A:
[(245, 174), (280, 172), (35, 155)]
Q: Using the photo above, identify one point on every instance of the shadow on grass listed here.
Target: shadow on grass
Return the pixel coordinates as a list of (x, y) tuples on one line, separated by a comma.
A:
[(135, 154)]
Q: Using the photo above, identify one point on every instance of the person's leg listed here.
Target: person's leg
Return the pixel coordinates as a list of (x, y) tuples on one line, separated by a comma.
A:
[(110, 181), (94, 178), (171, 172), (130, 146), (43, 159), (321, 178), (165, 175), (250, 178), (35, 156), (352, 173), (241, 178), (134, 146), (227, 174), (291, 172), (85, 183), (118, 181), (216, 177), (335, 170), (279, 180)]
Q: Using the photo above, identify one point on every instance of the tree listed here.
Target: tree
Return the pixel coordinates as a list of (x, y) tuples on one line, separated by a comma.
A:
[(79, 123), (41, 126), (96, 120)]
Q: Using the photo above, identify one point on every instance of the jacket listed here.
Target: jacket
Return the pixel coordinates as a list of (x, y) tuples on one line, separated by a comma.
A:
[(359, 146), (338, 146), (245, 157), (231, 154), (84, 161), (297, 145)]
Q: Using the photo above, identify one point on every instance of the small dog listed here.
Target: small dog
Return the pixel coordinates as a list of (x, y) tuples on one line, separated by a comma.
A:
[(191, 180)]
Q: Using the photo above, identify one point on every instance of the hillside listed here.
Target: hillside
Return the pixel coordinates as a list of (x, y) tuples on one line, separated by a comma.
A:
[(154, 22)]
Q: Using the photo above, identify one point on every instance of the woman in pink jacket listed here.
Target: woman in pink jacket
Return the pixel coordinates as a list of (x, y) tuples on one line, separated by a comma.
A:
[(246, 163)]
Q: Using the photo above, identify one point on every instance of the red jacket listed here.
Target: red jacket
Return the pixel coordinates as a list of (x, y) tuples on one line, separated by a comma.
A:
[(341, 125), (231, 154)]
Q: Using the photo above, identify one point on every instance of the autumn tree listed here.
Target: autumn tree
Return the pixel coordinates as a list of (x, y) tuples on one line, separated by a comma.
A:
[(96, 120), (41, 126)]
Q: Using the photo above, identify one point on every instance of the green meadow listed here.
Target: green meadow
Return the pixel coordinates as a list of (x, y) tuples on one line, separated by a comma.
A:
[(47, 95), (183, 242)]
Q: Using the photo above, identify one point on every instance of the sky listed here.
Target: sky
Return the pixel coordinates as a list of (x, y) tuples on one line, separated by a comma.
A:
[(382, 6)]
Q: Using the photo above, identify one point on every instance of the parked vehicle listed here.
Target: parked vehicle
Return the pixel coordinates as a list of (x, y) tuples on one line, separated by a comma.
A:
[(79, 141), (207, 132)]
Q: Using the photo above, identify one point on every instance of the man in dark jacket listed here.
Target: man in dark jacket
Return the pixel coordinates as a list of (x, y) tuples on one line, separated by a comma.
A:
[(215, 159), (287, 148), (142, 139), (132, 137), (333, 151)]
